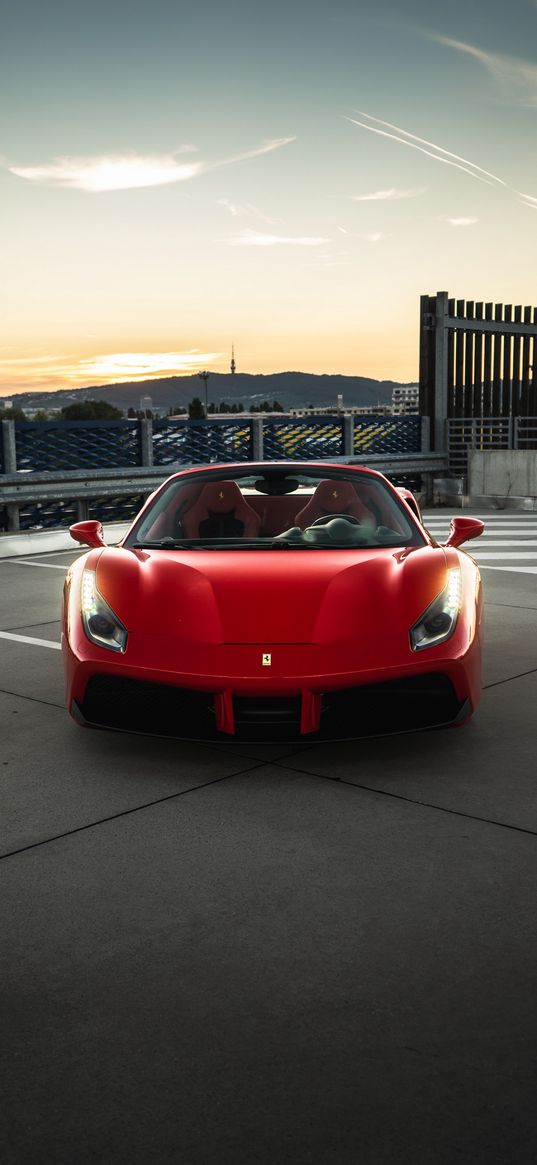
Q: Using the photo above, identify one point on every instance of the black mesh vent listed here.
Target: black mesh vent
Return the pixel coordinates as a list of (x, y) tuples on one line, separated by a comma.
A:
[(158, 709), (404, 705)]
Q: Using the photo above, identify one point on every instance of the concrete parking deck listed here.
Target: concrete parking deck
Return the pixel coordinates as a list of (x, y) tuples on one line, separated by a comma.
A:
[(236, 955)]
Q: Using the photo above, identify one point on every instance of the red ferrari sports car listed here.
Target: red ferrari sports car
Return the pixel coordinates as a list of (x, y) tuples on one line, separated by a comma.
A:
[(274, 600)]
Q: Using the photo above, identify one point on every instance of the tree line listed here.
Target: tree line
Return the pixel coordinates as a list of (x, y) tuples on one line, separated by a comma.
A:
[(101, 410)]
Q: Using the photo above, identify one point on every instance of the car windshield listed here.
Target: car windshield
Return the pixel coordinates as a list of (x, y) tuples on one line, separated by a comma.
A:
[(276, 508)]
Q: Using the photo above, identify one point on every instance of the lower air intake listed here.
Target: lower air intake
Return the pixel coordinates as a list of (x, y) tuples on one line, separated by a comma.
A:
[(404, 705)]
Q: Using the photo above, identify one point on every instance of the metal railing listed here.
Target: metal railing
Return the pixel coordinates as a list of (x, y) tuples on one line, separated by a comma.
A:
[(50, 446), (470, 433), (33, 498)]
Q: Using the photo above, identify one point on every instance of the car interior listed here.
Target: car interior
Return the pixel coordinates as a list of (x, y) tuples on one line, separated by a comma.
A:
[(268, 507)]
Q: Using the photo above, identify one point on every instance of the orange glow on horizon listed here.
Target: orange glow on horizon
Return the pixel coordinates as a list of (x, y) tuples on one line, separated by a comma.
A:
[(318, 355)]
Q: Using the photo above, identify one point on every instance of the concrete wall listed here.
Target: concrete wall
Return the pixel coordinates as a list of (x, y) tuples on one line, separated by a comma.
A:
[(503, 472)]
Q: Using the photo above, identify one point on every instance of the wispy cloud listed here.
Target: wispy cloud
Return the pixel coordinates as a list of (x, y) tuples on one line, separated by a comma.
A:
[(516, 77), (256, 239), (129, 171), (266, 148), (141, 365), (110, 172), (27, 361), (461, 222), (245, 210), (44, 372), (391, 195), (437, 153)]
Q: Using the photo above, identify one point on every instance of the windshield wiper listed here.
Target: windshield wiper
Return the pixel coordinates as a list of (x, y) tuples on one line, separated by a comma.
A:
[(201, 544), (164, 544)]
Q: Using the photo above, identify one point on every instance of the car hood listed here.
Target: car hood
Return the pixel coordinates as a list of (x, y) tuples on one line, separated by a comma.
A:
[(265, 596)]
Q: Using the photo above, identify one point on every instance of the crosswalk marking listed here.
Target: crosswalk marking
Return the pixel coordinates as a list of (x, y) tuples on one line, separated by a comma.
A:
[(506, 540)]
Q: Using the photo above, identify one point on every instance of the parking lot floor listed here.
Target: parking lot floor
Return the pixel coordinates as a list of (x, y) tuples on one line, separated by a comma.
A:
[(266, 953)]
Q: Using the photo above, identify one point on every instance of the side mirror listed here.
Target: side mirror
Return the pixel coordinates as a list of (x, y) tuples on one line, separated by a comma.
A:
[(462, 530), (88, 533)]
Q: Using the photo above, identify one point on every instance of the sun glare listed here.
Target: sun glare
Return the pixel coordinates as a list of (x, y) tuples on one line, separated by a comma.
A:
[(141, 365), (111, 368), (110, 173)]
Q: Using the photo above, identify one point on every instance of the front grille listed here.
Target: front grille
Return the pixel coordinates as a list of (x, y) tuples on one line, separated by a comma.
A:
[(267, 718), (266, 710), (404, 705)]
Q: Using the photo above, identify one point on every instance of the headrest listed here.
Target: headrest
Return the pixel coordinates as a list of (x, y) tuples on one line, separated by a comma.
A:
[(220, 497), (335, 496)]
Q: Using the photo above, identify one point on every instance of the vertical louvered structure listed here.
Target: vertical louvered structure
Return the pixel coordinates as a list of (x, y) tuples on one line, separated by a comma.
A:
[(476, 361)]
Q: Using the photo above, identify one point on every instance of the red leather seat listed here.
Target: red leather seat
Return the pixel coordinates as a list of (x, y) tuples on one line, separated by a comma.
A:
[(169, 522), (333, 497), (221, 512)]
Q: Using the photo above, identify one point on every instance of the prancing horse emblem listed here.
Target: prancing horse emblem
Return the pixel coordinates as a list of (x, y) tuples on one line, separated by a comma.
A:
[(266, 660)]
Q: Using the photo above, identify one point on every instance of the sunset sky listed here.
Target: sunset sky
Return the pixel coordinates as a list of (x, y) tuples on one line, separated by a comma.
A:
[(289, 177)]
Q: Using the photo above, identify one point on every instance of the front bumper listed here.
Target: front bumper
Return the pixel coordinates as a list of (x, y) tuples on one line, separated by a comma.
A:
[(406, 704)]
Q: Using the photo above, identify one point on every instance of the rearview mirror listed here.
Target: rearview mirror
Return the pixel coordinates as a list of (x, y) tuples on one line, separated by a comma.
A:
[(88, 533), (462, 530)]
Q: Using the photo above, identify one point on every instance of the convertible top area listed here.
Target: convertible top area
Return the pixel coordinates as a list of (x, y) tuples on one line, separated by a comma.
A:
[(274, 506)]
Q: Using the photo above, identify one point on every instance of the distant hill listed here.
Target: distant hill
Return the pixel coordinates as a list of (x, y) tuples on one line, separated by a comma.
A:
[(291, 389)]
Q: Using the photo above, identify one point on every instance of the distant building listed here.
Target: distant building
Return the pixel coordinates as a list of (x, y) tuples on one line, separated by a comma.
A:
[(232, 366), (31, 411), (377, 410), (405, 399)]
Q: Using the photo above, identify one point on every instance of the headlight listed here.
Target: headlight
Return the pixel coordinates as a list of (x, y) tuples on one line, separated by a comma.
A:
[(100, 623), (438, 622)]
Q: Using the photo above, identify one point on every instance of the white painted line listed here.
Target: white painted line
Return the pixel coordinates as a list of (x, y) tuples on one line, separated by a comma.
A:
[(490, 527), (508, 527), (511, 569), (511, 554), (496, 519), (27, 562), (30, 639), (486, 543), (45, 541)]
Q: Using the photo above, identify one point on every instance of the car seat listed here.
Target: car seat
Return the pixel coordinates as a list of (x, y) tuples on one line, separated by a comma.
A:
[(221, 512), (333, 497)]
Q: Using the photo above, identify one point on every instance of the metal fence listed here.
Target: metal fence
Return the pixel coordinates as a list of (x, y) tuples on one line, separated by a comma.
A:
[(469, 433), (199, 442), (71, 461), (42, 446), (45, 445)]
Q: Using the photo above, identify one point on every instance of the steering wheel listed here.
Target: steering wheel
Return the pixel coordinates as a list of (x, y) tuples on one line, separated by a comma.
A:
[(329, 518)]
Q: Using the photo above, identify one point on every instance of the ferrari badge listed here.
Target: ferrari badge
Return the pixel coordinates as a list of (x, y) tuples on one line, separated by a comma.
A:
[(266, 660)]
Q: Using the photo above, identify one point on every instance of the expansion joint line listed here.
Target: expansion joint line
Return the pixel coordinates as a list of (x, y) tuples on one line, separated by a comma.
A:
[(32, 626), (127, 812), (532, 671), (32, 699), (413, 801)]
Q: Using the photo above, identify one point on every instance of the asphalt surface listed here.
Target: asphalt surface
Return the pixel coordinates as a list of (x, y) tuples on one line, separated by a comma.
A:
[(237, 955)]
